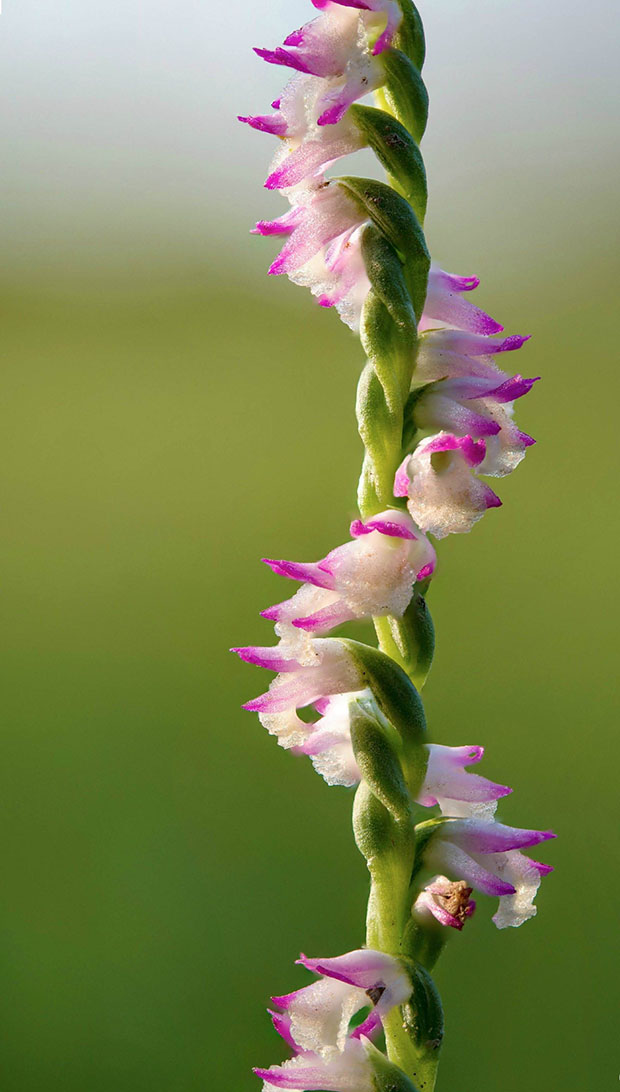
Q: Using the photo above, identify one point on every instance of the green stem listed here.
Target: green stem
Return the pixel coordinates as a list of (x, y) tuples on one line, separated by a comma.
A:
[(389, 914)]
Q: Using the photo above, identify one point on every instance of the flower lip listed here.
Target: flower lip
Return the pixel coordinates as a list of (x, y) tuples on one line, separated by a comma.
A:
[(473, 451), (265, 123), (390, 526)]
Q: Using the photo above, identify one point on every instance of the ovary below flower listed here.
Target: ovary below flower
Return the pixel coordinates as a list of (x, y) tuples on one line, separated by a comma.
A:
[(373, 575)]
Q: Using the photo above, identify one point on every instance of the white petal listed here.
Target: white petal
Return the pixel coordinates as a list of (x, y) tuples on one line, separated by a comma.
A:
[(519, 870)]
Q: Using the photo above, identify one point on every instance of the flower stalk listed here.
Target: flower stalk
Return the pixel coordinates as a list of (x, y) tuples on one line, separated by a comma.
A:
[(434, 413)]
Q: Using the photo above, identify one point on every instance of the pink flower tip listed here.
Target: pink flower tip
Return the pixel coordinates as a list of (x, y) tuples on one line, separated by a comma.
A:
[(544, 869), (426, 571)]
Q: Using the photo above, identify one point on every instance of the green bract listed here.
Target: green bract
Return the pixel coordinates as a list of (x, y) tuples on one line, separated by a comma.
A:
[(386, 1076), (398, 222), (397, 151)]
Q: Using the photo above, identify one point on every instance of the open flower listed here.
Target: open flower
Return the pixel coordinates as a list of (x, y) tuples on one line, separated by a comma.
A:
[(449, 354), (341, 46), (480, 408), (318, 1016), (306, 147), (373, 575), (323, 247), (327, 668), (321, 214), (337, 277), (315, 1021), (443, 495), (487, 855), (447, 781), (326, 741), (447, 901)]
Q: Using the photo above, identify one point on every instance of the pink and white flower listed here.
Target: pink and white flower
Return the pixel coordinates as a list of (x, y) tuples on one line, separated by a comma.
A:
[(451, 354), (338, 47), (447, 781), (336, 57), (318, 1016), (307, 148), (445, 900), (326, 741), (480, 408), (487, 855), (346, 1071), (337, 277), (323, 247), (371, 576), (446, 303), (443, 495), (320, 215), (326, 668)]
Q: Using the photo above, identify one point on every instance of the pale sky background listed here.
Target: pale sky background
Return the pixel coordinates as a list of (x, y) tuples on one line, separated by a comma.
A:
[(119, 136)]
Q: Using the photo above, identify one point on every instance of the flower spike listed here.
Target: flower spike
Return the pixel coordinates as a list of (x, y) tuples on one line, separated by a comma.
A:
[(435, 410)]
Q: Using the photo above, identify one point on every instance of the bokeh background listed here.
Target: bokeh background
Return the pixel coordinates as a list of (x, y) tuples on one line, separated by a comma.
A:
[(170, 415)]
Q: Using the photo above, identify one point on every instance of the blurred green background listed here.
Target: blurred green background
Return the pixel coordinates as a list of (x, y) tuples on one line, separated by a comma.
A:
[(170, 416)]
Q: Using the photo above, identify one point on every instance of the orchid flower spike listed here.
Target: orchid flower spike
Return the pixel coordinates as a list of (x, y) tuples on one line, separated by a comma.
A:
[(337, 58), (486, 854), (435, 414), (371, 576)]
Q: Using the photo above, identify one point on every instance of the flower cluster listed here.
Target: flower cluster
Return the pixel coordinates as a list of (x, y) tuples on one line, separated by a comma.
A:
[(436, 417), (463, 403), (317, 1022), (330, 685), (338, 60)]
